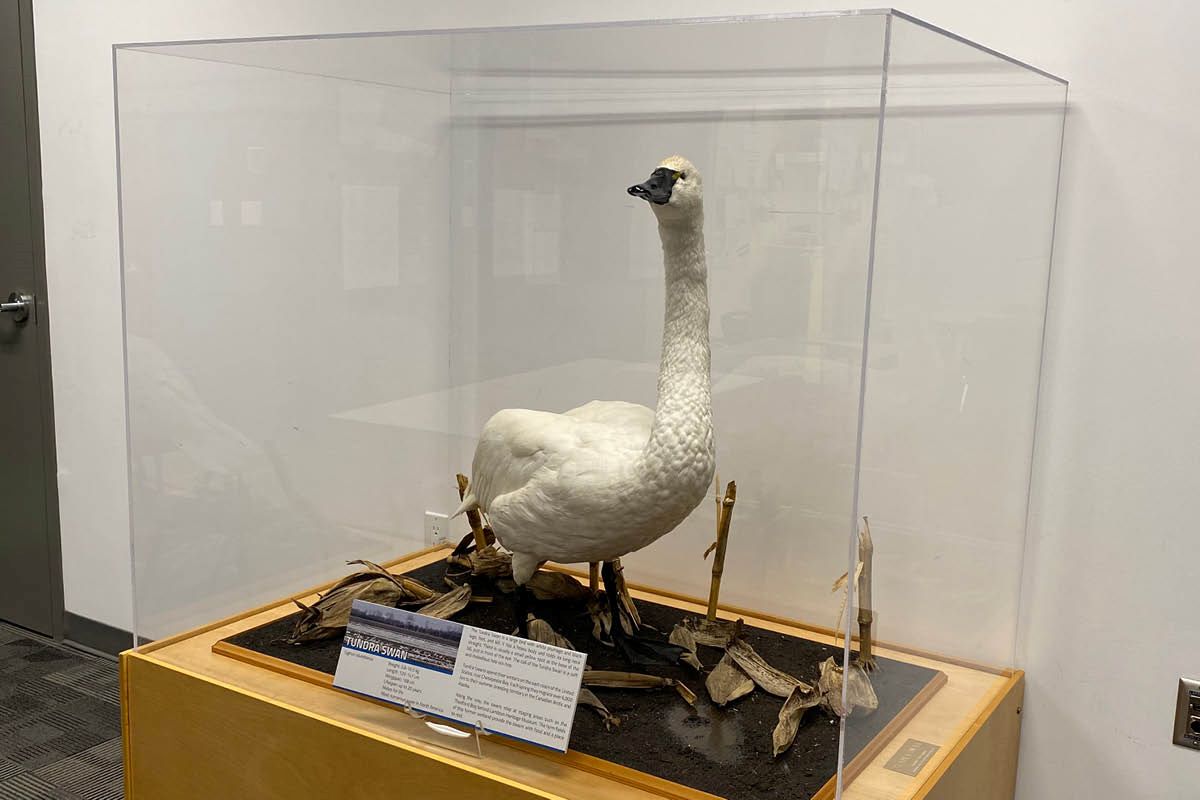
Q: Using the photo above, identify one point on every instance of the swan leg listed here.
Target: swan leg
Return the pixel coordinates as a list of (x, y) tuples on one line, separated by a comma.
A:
[(638, 650), (610, 594), (523, 605)]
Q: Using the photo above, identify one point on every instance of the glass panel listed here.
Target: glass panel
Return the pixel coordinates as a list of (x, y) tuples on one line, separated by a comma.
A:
[(342, 255), (968, 183), (285, 257)]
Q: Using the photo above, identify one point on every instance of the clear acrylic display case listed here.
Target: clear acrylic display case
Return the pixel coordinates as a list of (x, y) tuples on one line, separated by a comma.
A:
[(342, 254)]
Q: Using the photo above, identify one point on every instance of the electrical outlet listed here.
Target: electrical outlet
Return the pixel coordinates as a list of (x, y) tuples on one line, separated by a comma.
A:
[(437, 528), (1187, 714)]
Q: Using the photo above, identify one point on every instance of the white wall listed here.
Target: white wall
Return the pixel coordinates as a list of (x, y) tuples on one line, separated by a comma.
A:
[(1106, 627)]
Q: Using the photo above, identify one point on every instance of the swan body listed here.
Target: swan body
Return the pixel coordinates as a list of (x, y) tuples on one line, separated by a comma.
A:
[(609, 477)]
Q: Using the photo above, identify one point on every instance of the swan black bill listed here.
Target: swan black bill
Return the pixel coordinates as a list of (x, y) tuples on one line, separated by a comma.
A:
[(656, 189)]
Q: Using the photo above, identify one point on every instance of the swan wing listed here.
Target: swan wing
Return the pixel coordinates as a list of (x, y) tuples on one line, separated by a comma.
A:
[(514, 445), (546, 479), (581, 448)]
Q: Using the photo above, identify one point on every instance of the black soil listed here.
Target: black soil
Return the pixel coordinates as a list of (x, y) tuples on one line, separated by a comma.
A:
[(726, 752)]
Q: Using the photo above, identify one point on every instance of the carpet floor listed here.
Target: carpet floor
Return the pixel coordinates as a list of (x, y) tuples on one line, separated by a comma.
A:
[(60, 721)]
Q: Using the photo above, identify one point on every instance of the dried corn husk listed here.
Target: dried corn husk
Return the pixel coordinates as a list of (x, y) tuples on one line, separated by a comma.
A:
[(458, 565), (727, 682), (327, 617), (542, 631), (549, 585), (684, 691), (448, 604), (413, 589), (475, 598), (490, 562), (588, 698), (802, 698), (636, 680), (772, 680), (684, 638), (860, 694), (609, 679), (713, 633), (467, 543), (601, 620)]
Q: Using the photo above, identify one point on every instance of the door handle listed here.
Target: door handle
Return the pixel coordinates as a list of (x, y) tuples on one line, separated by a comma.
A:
[(18, 305)]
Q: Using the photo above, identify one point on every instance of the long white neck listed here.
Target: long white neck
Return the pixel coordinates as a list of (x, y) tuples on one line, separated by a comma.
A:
[(682, 430)]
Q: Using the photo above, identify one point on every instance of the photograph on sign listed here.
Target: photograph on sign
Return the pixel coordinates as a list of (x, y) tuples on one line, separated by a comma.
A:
[(415, 639)]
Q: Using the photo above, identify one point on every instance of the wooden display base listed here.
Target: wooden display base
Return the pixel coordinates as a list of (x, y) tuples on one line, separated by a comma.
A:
[(199, 724)]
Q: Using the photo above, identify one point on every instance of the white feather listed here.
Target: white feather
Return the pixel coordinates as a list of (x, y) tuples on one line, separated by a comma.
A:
[(610, 477)]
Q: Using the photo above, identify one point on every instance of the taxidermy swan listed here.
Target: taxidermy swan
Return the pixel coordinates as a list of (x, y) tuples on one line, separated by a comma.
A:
[(610, 477)]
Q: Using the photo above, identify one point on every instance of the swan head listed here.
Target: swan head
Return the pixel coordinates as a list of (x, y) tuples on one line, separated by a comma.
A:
[(674, 191)]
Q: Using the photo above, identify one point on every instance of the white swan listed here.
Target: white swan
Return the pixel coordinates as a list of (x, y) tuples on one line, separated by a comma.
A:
[(610, 477)]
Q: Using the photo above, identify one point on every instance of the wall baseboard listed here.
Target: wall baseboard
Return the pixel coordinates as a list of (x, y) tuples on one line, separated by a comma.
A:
[(97, 636)]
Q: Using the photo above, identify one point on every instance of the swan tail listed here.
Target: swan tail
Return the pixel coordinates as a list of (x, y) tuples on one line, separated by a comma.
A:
[(469, 503)]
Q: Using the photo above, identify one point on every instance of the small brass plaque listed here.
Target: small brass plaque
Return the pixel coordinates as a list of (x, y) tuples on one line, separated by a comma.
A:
[(912, 756)]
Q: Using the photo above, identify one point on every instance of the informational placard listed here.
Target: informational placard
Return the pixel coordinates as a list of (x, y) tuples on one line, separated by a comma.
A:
[(500, 683)]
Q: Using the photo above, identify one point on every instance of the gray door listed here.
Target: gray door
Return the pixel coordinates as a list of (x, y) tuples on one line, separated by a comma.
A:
[(30, 569)]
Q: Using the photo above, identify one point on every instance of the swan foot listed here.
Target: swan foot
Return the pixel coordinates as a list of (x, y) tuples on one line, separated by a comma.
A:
[(642, 651), (601, 620), (539, 630), (638, 650)]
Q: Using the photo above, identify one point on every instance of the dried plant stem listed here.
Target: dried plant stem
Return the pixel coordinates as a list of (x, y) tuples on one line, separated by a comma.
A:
[(594, 576), (473, 518), (866, 614), (724, 517), (631, 620), (448, 604)]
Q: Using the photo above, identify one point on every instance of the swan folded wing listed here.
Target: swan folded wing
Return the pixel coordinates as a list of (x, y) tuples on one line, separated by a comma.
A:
[(516, 443), (571, 506), (594, 454), (512, 447), (561, 501)]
